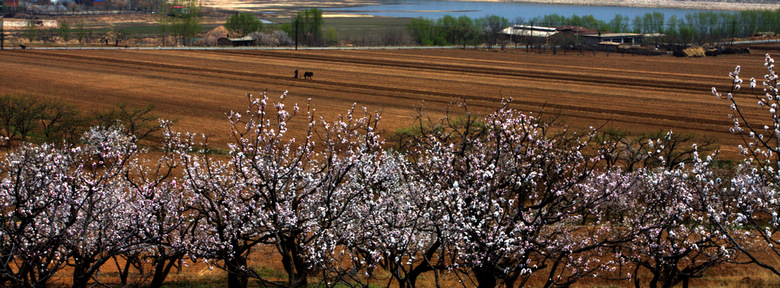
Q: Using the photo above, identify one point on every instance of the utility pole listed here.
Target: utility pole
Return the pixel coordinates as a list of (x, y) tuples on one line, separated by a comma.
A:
[(577, 36), (530, 37), (296, 34), (733, 24), (2, 34), (511, 32)]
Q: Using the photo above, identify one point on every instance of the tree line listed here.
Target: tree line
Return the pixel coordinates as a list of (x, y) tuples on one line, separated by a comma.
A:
[(33, 118), (305, 28), (462, 30), (698, 28), (183, 25), (179, 23)]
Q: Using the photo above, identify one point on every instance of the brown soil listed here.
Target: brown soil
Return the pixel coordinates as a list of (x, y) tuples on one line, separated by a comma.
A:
[(197, 88), (636, 93)]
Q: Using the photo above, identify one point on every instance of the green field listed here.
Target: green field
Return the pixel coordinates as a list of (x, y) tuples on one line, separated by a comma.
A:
[(370, 31), (364, 31)]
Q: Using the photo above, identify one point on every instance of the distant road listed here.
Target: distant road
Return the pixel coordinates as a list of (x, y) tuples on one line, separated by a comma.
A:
[(754, 41)]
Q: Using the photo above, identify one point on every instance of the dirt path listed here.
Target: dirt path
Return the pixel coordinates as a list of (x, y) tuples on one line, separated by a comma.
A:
[(197, 87)]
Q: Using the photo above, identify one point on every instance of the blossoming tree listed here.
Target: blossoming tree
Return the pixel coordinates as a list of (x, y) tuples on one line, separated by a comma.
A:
[(274, 189)]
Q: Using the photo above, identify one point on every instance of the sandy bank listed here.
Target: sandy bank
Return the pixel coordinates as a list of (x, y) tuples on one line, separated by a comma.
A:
[(678, 4), (283, 8)]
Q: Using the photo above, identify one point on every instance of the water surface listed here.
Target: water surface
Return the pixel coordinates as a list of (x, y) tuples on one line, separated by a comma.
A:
[(508, 10)]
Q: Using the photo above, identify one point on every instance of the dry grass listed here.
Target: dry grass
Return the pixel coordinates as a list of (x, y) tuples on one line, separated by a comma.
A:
[(694, 52)]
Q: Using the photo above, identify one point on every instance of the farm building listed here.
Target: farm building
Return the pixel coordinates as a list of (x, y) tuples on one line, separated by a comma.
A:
[(522, 33), (94, 3), (653, 38), (243, 41), (570, 36), (224, 41), (612, 38), (178, 10), (576, 31), (10, 3), (566, 35)]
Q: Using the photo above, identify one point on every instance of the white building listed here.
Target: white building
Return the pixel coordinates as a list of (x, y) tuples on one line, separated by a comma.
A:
[(520, 32)]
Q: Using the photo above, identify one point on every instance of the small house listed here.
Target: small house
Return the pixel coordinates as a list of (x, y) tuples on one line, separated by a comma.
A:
[(224, 41), (178, 10), (243, 41), (10, 3)]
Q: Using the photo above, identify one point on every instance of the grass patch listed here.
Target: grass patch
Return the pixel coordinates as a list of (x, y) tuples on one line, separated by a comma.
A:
[(269, 273), (364, 31), (349, 286), (186, 284), (144, 30), (370, 31)]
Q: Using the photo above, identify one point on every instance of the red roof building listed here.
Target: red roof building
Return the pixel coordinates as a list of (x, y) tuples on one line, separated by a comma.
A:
[(11, 3), (577, 30)]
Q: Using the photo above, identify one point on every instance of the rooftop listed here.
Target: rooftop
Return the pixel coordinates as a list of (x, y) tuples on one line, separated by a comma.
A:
[(245, 38), (533, 31), (578, 30), (602, 35)]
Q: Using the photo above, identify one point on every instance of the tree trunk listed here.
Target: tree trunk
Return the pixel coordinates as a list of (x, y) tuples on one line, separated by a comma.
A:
[(425, 266), (636, 276), (236, 279), (80, 275), (162, 269), (411, 277), (293, 262), (553, 268), (510, 282), (84, 269), (302, 274), (395, 270), (654, 281), (123, 272), (485, 278)]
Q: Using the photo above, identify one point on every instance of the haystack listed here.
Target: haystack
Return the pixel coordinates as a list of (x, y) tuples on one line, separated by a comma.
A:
[(694, 52), (216, 33)]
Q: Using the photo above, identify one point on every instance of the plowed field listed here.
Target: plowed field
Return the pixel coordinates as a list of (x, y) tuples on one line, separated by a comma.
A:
[(197, 88)]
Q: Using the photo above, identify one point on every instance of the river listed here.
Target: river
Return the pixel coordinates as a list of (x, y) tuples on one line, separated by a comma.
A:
[(508, 10)]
